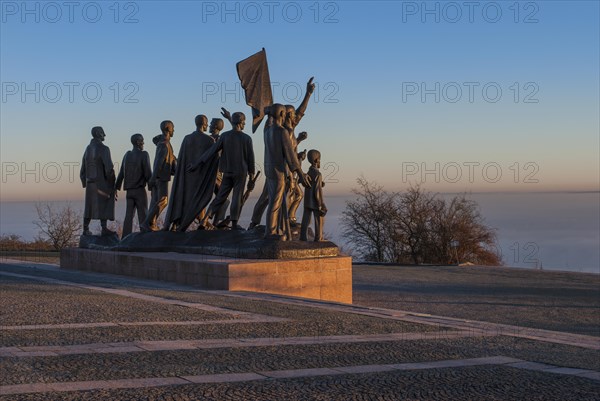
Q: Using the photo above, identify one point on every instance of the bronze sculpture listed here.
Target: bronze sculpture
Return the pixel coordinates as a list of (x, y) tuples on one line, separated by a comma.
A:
[(236, 163), (254, 78), (165, 164), (292, 119), (295, 193), (203, 189), (216, 165), (97, 176), (313, 198), (280, 161), (186, 183), (134, 175), (216, 126)]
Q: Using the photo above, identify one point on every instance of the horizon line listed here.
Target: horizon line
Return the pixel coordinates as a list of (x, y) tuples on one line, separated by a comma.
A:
[(350, 193)]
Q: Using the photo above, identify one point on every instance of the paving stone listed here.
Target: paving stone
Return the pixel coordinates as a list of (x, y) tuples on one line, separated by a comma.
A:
[(8, 354), (25, 388), (590, 375), (146, 382), (412, 366), (497, 360), (164, 345), (365, 369), (10, 351), (567, 371), (287, 374), (39, 353), (125, 349), (224, 378), (530, 366), (57, 326), (79, 386)]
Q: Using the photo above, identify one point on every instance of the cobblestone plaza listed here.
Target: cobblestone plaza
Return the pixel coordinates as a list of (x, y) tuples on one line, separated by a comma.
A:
[(412, 334)]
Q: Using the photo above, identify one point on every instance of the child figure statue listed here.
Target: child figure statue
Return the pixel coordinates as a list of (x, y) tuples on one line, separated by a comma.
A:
[(313, 198)]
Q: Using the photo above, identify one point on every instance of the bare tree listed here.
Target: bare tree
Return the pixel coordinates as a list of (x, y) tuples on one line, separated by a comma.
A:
[(417, 227), (414, 209), (365, 221), (61, 226), (459, 220)]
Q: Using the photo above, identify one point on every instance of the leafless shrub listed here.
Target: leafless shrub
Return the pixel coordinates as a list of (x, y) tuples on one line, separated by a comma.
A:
[(417, 227), (60, 226)]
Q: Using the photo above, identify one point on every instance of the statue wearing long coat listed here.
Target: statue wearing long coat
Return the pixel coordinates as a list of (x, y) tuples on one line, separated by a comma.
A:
[(98, 178), (191, 191)]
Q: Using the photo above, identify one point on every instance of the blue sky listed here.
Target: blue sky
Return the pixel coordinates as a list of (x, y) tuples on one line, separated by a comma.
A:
[(406, 91)]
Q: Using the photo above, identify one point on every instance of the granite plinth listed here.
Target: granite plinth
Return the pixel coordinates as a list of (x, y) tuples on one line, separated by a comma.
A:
[(240, 244), (323, 278)]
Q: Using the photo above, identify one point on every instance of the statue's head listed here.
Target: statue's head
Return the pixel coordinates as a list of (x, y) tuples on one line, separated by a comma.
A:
[(290, 113), (314, 158), (238, 119), (167, 128), (137, 140), (216, 125), (277, 111), (98, 133), (201, 122)]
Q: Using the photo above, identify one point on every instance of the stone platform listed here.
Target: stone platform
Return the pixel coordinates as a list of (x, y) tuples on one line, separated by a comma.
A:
[(241, 244), (326, 278)]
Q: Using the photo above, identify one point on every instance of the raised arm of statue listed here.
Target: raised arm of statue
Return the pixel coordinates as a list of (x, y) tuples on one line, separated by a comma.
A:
[(291, 158), (310, 88), (226, 114), (301, 137)]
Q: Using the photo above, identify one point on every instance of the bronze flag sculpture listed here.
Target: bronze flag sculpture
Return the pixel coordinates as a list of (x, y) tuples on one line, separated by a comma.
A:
[(254, 76)]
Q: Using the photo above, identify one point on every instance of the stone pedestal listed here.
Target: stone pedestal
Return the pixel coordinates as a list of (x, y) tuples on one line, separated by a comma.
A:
[(323, 278)]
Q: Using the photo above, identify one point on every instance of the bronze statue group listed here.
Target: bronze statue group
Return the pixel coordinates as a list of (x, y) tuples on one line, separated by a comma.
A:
[(209, 167)]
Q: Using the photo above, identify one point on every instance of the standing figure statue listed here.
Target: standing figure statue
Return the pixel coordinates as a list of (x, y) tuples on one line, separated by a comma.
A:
[(185, 183), (294, 191), (165, 164), (134, 175), (280, 161), (292, 119), (97, 176), (216, 126), (236, 163), (313, 198)]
